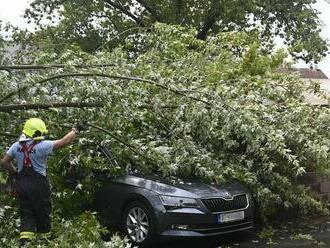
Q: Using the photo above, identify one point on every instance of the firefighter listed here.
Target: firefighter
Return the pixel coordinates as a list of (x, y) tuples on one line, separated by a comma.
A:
[(30, 154)]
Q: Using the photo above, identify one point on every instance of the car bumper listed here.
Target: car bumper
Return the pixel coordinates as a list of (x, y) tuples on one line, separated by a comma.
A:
[(196, 223)]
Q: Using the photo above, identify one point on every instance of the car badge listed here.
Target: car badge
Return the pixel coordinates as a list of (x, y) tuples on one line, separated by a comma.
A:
[(226, 194)]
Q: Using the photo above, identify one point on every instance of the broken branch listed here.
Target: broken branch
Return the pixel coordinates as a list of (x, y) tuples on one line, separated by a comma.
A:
[(105, 76), (44, 67), (11, 107)]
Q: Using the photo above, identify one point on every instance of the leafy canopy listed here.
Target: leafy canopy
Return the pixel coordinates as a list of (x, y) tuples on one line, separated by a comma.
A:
[(95, 23), (217, 110)]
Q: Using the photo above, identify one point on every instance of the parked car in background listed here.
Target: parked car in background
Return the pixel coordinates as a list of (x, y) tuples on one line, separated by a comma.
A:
[(151, 207)]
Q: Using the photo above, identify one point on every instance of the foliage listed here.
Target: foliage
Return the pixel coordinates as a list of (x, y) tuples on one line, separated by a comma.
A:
[(216, 111), (97, 23), (9, 222), (300, 236), (117, 242), (82, 231)]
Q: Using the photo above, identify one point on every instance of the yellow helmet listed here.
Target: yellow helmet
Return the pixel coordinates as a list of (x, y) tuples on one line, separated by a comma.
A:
[(35, 128)]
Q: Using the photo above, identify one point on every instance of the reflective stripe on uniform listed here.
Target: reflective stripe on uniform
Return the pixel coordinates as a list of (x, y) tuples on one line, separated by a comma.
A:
[(26, 235)]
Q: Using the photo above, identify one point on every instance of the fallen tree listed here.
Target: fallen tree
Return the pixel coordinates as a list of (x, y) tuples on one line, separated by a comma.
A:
[(216, 111)]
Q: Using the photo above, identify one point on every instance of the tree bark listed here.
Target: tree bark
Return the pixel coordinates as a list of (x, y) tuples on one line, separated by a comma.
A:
[(44, 67), (126, 12), (210, 20), (152, 11), (202, 34), (12, 107)]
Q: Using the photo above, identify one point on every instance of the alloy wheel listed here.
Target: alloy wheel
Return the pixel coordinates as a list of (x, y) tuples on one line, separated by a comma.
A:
[(137, 224)]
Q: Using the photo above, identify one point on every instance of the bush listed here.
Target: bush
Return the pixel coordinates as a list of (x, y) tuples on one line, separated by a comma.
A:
[(82, 231)]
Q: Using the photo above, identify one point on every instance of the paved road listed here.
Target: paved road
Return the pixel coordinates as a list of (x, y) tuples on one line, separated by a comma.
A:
[(248, 241), (228, 241), (308, 234)]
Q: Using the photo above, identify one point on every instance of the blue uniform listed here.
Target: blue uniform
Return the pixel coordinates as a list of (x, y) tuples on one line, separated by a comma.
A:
[(33, 186), (38, 155)]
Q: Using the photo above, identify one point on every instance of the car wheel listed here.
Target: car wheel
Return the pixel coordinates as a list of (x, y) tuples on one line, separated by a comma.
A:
[(138, 223)]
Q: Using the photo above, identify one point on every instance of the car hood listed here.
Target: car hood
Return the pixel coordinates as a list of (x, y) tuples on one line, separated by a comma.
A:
[(182, 188), (211, 190)]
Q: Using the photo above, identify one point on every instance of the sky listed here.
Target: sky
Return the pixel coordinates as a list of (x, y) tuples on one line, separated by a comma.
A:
[(12, 11)]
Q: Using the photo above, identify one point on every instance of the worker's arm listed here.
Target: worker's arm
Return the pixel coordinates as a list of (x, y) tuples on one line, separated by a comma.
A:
[(69, 137), (7, 164), (66, 140)]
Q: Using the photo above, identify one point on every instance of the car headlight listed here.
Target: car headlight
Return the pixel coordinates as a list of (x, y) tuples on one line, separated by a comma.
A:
[(178, 202)]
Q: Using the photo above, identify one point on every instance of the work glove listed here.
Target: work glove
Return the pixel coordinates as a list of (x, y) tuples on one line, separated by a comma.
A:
[(80, 126)]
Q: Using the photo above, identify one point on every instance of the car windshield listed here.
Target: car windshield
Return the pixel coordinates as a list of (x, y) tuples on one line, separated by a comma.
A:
[(108, 157)]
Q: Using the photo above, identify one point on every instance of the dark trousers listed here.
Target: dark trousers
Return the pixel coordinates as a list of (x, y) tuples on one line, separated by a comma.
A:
[(35, 202)]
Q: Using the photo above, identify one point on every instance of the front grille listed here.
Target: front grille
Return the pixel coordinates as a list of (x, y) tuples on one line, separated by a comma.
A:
[(223, 205)]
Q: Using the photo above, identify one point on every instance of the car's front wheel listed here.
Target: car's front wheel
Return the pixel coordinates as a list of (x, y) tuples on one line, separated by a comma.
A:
[(138, 223)]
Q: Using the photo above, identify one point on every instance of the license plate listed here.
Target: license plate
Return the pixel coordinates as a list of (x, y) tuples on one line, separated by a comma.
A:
[(229, 217)]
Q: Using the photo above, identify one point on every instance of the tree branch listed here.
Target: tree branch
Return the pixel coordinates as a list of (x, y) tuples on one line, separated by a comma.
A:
[(126, 12), (209, 22), (43, 67), (177, 92), (131, 147), (150, 10), (11, 107), (117, 36), (202, 34), (178, 4)]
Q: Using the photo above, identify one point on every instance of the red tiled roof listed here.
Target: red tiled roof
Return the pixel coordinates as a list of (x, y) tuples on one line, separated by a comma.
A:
[(311, 73), (306, 73)]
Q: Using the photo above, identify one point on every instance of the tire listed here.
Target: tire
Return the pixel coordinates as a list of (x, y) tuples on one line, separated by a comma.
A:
[(138, 223)]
